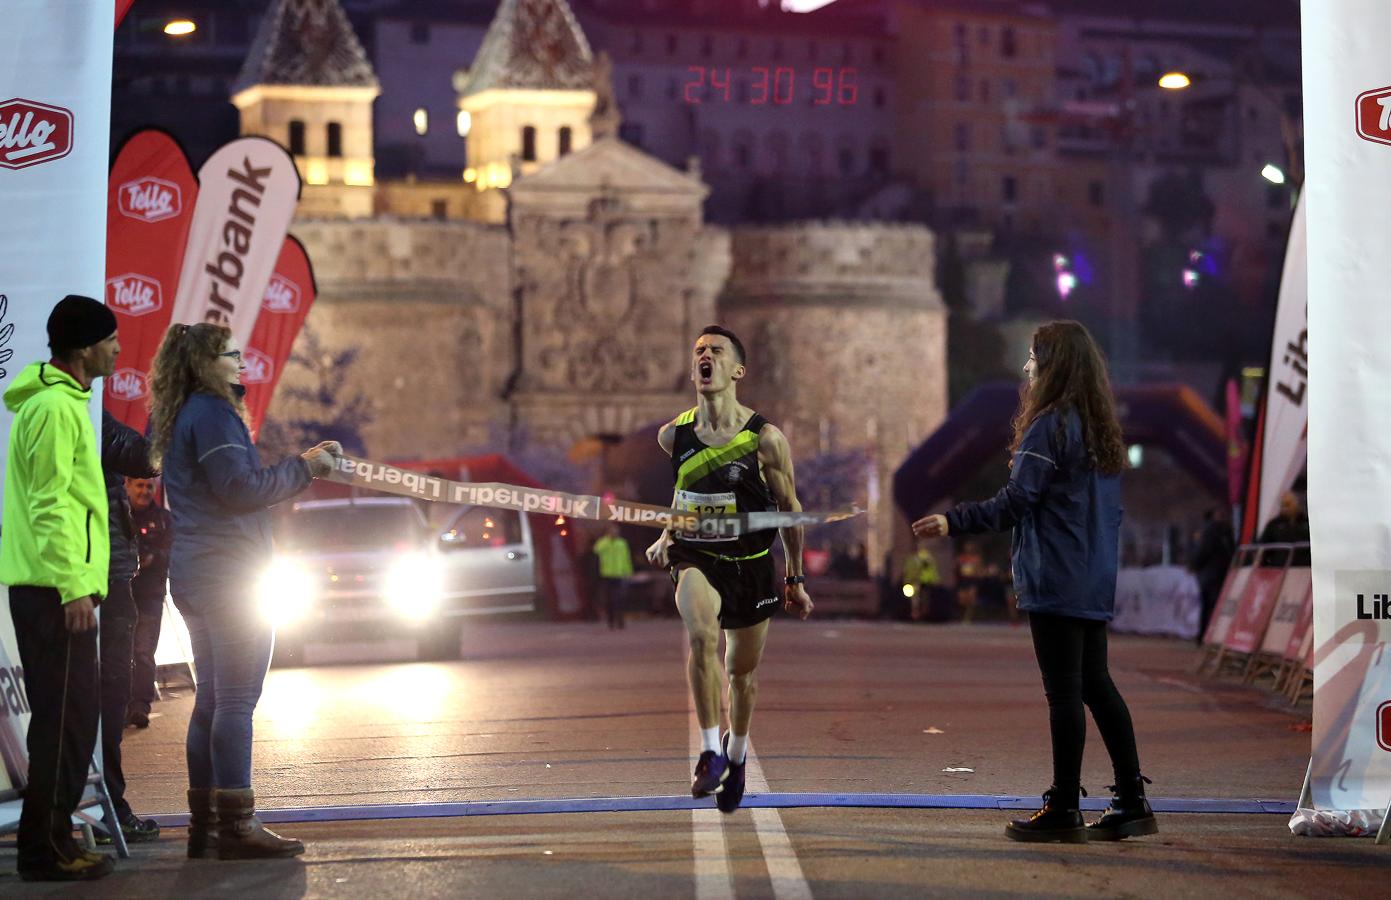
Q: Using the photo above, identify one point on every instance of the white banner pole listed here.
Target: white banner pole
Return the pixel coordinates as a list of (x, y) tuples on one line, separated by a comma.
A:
[(55, 125), (1347, 105)]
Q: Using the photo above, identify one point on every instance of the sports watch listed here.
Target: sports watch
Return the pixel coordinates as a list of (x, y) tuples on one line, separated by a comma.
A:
[(795, 579)]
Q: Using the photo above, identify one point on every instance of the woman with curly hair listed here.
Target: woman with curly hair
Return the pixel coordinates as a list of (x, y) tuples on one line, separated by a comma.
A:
[(219, 494), (1063, 502)]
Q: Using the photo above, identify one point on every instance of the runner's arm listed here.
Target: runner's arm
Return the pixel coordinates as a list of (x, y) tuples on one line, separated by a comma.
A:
[(775, 459)]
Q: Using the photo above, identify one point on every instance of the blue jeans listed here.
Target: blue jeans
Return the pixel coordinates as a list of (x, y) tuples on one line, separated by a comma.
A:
[(231, 652)]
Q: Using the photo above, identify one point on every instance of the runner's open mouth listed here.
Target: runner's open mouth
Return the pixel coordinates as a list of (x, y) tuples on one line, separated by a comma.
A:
[(706, 370)]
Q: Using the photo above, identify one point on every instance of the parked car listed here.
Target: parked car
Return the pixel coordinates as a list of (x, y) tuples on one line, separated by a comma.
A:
[(369, 567)]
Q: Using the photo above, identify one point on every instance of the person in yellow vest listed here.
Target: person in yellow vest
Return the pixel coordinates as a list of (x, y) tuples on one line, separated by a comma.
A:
[(920, 573), (615, 568)]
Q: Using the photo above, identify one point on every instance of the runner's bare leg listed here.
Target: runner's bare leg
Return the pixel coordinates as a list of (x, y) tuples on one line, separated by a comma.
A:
[(743, 651), (699, 605)]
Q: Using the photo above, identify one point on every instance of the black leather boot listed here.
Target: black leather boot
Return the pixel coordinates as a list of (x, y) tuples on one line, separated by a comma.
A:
[(1060, 820), (1129, 814), (202, 825), (240, 835)]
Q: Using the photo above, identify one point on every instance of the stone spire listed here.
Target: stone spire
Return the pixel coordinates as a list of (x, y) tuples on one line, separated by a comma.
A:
[(532, 44), (307, 43)]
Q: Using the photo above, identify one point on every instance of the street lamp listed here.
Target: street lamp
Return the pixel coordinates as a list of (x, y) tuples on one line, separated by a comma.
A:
[(1273, 173), (179, 27), (1174, 81)]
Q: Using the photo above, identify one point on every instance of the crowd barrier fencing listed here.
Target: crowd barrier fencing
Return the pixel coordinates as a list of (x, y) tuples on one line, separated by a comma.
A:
[(1263, 623)]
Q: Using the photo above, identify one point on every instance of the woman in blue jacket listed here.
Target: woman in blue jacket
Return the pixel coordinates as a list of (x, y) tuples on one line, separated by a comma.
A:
[(219, 494), (1063, 502)]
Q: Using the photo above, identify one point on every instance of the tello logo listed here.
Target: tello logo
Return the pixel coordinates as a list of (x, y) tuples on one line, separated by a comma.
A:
[(150, 199), (127, 384), (33, 133), (134, 295), (282, 296), (1374, 116), (259, 368), (1384, 726)]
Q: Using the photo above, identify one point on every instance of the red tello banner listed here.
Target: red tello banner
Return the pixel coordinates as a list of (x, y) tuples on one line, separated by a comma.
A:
[(286, 302), (148, 213)]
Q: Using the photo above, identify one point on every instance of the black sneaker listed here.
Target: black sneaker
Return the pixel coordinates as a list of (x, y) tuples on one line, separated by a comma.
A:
[(1053, 823), (710, 773), (1129, 814), (135, 829), (82, 867), (732, 794)]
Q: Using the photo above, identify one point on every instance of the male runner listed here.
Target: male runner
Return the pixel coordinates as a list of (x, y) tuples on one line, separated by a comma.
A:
[(727, 459)]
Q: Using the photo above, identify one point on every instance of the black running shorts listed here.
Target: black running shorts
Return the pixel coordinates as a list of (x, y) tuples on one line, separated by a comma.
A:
[(747, 588)]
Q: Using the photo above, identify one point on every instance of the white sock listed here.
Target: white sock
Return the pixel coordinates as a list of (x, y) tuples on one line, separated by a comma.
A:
[(710, 739), (738, 748)]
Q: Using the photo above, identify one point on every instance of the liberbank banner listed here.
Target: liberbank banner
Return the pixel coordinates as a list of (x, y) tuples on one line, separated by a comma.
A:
[(1347, 108), (55, 119)]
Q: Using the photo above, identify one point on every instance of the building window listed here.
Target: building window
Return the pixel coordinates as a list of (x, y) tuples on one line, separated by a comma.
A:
[(710, 148), (742, 52), (707, 47), (1096, 193), (671, 45), (421, 120), (420, 32), (296, 137), (812, 153), (566, 139), (634, 87), (439, 209), (743, 151), (1008, 45), (631, 132), (672, 88), (879, 159), (528, 143), (335, 139), (845, 158), (963, 88), (963, 136), (1009, 189)]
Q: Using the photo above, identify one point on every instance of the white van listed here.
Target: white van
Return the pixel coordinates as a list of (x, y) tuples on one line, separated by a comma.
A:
[(373, 567)]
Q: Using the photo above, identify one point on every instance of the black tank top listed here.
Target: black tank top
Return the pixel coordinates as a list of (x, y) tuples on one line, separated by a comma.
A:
[(722, 480)]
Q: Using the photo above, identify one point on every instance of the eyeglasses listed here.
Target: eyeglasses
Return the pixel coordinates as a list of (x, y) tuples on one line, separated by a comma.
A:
[(232, 354)]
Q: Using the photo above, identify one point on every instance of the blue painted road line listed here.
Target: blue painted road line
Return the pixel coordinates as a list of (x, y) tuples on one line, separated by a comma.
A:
[(373, 812)]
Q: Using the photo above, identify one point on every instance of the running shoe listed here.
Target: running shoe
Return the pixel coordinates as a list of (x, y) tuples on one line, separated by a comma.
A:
[(729, 798), (710, 773)]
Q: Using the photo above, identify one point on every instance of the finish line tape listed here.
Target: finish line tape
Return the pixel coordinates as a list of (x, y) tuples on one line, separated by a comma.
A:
[(384, 811), (407, 483)]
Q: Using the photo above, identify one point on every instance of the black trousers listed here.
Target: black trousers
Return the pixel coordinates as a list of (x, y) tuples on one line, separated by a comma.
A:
[(60, 676), (1072, 658), (149, 608), (615, 593), (117, 642)]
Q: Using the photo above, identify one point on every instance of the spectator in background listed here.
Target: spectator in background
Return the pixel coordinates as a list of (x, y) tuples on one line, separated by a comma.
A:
[(53, 557), (1210, 561), (850, 562), (153, 534), (124, 453), (970, 569), (921, 574), (615, 568), (1291, 526)]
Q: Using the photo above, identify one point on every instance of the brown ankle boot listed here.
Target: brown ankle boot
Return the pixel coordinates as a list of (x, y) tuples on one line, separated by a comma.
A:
[(202, 825), (240, 835)]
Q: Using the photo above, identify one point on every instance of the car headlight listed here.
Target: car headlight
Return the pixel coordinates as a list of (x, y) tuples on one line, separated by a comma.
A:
[(286, 592), (414, 585)]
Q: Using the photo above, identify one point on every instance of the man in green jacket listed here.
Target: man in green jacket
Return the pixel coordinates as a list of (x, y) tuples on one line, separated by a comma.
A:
[(615, 568), (53, 556)]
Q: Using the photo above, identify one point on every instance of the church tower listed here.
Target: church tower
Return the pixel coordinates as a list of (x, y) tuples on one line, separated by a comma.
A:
[(529, 96), (307, 84)]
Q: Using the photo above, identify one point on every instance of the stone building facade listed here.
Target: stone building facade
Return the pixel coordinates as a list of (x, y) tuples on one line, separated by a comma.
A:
[(570, 317)]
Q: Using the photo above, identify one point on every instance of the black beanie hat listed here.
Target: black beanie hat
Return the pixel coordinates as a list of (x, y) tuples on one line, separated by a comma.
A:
[(78, 322)]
